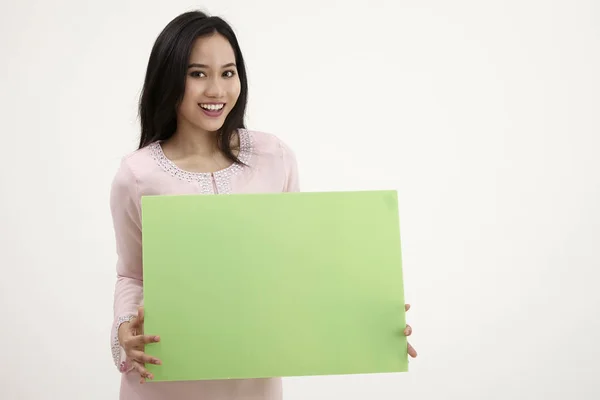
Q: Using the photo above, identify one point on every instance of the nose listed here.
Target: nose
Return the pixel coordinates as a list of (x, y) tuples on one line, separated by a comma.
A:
[(214, 89)]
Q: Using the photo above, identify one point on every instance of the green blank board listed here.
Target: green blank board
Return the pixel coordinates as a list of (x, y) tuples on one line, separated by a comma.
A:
[(273, 285)]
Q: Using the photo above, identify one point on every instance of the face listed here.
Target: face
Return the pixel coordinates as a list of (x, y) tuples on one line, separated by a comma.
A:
[(212, 84)]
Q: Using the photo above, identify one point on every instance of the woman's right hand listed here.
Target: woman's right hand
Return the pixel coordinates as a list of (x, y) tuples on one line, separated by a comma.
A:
[(133, 340)]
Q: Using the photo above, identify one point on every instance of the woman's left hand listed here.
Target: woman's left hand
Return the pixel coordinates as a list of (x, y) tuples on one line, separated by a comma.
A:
[(407, 332)]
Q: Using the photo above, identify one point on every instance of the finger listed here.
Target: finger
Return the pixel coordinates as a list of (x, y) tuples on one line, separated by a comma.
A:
[(406, 307), (144, 374), (143, 358), (411, 351), (138, 342), (408, 330)]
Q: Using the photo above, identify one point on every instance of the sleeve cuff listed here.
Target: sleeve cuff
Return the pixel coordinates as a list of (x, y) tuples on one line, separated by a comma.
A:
[(118, 353)]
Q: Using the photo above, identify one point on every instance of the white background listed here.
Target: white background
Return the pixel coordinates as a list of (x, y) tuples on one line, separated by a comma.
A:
[(483, 115)]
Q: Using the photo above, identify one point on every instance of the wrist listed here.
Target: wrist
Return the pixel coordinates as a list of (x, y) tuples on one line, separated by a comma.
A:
[(123, 327), (122, 330)]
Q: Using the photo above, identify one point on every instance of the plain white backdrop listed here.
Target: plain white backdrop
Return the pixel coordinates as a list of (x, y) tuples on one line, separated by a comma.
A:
[(483, 115)]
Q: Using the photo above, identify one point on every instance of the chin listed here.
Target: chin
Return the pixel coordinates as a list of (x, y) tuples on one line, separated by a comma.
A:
[(211, 126)]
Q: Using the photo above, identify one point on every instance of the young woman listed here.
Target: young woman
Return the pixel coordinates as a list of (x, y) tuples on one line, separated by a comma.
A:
[(193, 140)]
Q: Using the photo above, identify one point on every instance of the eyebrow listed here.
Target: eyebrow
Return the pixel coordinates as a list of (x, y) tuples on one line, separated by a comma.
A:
[(195, 65)]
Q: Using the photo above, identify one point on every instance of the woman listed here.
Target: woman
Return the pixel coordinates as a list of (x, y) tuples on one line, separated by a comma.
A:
[(193, 140)]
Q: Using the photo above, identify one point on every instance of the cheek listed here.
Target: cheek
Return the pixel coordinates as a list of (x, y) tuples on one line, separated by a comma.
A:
[(187, 107), (192, 90), (190, 97), (235, 89)]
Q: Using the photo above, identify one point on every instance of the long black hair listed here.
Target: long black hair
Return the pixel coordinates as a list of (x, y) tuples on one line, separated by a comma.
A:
[(164, 84)]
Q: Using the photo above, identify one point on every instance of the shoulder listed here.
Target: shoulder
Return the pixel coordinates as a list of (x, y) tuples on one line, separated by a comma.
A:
[(277, 157), (132, 169), (265, 144), (141, 163)]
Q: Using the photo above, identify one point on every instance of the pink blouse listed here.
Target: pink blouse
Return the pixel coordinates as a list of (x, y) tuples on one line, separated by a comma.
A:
[(271, 167)]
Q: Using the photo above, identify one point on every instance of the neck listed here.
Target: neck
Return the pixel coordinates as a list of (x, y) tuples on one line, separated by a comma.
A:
[(194, 142)]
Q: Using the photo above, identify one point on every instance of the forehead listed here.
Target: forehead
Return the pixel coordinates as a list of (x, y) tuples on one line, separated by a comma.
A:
[(213, 49)]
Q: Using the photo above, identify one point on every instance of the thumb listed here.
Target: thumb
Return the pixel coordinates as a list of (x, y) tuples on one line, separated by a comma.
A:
[(138, 322), (141, 315)]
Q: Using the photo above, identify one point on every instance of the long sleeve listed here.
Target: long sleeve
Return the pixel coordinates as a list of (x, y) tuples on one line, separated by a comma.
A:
[(292, 183), (126, 215)]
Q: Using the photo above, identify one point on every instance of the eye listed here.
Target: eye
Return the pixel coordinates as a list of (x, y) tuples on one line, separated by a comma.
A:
[(197, 74), (229, 74)]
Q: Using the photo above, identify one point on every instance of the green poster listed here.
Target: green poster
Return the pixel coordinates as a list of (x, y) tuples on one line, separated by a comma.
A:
[(263, 285)]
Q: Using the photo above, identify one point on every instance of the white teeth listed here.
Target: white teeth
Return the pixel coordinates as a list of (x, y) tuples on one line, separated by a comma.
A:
[(212, 107)]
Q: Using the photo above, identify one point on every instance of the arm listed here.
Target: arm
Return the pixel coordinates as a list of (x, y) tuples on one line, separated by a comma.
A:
[(128, 296), (292, 183)]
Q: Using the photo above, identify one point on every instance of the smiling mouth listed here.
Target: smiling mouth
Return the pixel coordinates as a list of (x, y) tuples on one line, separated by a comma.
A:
[(212, 107)]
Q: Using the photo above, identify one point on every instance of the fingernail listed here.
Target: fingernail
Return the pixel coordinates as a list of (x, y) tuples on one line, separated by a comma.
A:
[(156, 338)]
